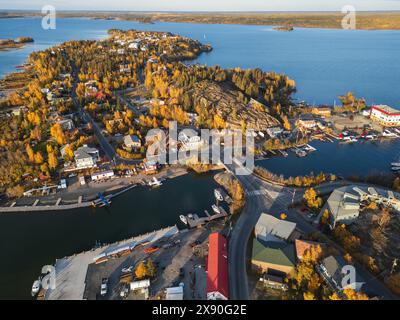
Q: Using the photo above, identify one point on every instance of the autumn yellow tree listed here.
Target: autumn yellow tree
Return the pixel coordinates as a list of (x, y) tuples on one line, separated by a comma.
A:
[(31, 153), (52, 160), (57, 133), (141, 270), (38, 158), (312, 199), (351, 294), (325, 217)]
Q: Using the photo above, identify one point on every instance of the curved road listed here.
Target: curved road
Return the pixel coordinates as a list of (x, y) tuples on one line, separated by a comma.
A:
[(265, 197)]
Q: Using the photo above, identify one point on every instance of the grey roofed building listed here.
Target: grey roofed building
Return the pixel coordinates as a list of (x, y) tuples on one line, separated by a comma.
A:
[(335, 271), (269, 228), (132, 141), (343, 205), (86, 157)]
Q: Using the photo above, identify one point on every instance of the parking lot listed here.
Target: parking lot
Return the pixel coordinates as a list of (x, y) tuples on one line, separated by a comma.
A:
[(179, 259)]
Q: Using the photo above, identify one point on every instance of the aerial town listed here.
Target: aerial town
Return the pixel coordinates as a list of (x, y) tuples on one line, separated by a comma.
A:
[(77, 121)]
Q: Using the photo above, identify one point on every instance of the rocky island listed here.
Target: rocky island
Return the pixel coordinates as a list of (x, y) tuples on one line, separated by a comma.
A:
[(8, 44), (284, 28)]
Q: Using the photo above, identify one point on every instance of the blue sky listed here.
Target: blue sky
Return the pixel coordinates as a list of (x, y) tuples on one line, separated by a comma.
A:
[(203, 5)]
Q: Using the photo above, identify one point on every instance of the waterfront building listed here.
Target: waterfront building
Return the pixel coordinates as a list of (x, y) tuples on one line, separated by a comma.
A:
[(86, 157), (307, 124), (385, 115), (150, 167), (102, 175), (322, 111), (217, 268)]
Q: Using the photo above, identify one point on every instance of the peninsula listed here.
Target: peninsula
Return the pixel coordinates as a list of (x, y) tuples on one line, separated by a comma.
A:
[(9, 44)]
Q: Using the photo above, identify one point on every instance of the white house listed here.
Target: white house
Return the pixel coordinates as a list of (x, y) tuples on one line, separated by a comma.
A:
[(102, 175), (86, 157), (132, 141)]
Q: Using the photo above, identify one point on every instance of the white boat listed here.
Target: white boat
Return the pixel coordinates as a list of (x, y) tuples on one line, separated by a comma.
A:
[(388, 133), (183, 219), (395, 168), (300, 153), (395, 164), (284, 153), (216, 209), (155, 182), (37, 285), (309, 148), (371, 137), (218, 195)]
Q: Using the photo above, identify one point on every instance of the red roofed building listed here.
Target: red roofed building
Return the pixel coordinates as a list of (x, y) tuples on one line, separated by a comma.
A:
[(385, 115), (217, 268)]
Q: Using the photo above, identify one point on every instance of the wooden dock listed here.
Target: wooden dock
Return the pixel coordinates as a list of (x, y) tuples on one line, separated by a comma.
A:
[(196, 221)]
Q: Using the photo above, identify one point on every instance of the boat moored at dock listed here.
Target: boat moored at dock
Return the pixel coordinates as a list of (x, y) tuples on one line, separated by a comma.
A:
[(216, 209), (37, 285), (155, 182), (218, 195)]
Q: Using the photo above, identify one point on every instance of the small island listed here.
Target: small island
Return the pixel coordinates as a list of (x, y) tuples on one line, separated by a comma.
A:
[(284, 28), (8, 44)]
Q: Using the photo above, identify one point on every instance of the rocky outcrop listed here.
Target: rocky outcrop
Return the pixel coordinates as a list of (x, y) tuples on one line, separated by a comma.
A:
[(226, 102)]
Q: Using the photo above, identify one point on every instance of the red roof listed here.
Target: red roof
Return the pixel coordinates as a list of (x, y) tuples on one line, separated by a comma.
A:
[(217, 265)]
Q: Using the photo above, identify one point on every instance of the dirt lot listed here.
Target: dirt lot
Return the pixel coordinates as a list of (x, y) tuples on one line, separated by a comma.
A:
[(177, 261), (379, 238), (356, 124)]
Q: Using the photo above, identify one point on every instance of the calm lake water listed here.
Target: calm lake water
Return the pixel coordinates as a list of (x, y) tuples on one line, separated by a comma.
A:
[(32, 240), (324, 63)]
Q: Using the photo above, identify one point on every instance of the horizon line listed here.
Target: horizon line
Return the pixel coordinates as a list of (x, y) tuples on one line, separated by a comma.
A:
[(191, 11)]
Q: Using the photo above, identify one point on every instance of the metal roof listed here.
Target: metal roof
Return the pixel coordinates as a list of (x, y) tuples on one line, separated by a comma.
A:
[(269, 225), (217, 265)]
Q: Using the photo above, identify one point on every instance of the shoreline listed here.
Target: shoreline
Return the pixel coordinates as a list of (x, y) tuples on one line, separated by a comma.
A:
[(112, 188), (366, 20)]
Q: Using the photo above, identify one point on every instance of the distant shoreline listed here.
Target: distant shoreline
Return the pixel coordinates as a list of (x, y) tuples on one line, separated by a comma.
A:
[(366, 20)]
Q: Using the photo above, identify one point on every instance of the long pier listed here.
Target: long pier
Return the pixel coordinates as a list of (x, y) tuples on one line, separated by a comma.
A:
[(36, 207)]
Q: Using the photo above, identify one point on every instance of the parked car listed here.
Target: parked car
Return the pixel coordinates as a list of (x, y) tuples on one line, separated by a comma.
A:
[(127, 270)]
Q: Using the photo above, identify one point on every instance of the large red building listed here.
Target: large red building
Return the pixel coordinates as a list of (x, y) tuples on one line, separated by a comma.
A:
[(217, 268), (385, 115)]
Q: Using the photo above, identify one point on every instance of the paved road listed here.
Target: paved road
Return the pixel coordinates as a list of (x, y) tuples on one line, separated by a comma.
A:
[(265, 197)]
